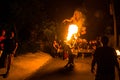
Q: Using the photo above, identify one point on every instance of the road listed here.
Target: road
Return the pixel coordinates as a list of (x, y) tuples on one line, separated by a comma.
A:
[(25, 65), (55, 70), (41, 66)]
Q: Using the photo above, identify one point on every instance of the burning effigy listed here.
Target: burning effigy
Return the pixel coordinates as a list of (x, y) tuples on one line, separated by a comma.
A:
[(76, 27)]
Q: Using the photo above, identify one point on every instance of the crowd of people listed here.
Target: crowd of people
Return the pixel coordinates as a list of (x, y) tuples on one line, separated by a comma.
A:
[(105, 57), (66, 52), (8, 47), (79, 44)]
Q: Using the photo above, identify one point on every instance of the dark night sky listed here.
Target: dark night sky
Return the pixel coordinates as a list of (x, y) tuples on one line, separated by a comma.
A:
[(63, 9), (58, 7), (96, 11)]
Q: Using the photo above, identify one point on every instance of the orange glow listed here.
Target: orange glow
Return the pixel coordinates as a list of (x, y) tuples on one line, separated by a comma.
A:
[(118, 52), (73, 29)]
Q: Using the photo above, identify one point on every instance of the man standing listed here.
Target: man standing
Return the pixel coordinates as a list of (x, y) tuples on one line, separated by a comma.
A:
[(10, 46), (70, 63), (106, 59)]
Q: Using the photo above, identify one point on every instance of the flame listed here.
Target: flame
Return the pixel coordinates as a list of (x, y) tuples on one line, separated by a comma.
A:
[(78, 19), (73, 29), (118, 52)]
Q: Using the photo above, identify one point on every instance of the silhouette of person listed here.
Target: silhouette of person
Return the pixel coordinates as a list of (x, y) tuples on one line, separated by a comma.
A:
[(10, 46), (55, 46), (2, 38), (106, 59), (70, 63)]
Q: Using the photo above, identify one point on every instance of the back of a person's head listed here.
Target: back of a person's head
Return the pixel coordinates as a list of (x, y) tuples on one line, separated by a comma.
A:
[(104, 40)]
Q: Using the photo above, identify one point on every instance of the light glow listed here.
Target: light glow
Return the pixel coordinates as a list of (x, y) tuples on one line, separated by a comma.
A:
[(118, 52), (73, 29)]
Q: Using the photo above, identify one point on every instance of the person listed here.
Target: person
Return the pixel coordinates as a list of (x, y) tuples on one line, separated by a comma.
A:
[(106, 59), (70, 63), (98, 42), (60, 49), (2, 38), (55, 48), (10, 47)]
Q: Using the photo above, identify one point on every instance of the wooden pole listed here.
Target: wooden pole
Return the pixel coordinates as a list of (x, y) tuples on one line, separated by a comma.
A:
[(114, 20)]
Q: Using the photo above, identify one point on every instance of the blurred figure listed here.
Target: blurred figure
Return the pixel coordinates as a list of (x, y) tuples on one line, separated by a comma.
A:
[(2, 38), (10, 47), (60, 49), (2, 35), (70, 63), (98, 42), (106, 59), (55, 48)]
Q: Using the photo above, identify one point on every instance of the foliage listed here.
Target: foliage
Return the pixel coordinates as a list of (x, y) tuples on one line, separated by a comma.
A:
[(33, 24)]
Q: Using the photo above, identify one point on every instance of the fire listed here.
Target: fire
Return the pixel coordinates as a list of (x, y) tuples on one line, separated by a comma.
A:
[(118, 52), (78, 19), (73, 29), (77, 27)]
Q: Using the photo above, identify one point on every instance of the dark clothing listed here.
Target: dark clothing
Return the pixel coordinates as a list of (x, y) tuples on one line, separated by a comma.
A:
[(70, 55), (8, 52), (9, 45), (3, 60), (106, 59)]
